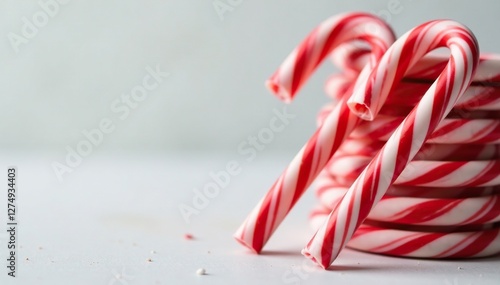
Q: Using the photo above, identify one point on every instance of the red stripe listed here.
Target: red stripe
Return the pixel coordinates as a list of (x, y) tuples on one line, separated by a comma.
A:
[(413, 245), (478, 245), (404, 146), (260, 224), (426, 211), (302, 57), (493, 133), (450, 126), (435, 173), (491, 172), (304, 172), (492, 209)]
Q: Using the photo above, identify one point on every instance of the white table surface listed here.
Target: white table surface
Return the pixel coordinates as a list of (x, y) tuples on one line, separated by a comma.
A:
[(100, 225)]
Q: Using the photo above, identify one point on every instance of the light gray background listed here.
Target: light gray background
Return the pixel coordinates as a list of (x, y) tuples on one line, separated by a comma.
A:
[(123, 201), (65, 78)]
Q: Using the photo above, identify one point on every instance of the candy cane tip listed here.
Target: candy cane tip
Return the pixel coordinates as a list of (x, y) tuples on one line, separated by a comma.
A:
[(308, 255), (361, 110), (278, 90), (247, 245), (272, 86)]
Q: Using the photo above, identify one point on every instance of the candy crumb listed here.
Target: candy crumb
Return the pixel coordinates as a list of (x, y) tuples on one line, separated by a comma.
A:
[(201, 271), (188, 236), (149, 260)]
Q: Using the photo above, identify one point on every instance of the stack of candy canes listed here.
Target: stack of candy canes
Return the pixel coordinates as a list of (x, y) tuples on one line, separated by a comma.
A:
[(406, 158)]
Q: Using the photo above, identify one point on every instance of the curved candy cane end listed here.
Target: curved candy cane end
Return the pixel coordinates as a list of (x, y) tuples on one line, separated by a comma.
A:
[(247, 245), (278, 90), (241, 236), (308, 255)]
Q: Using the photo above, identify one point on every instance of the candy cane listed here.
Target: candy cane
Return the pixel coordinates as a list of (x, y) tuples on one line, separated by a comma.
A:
[(475, 98), (403, 111), (452, 131), (426, 211), (352, 57), (408, 138), (422, 244), (330, 192), (487, 72), (450, 152), (407, 94), (306, 165), (338, 84), (427, 244), (304, 60), (424, 173)]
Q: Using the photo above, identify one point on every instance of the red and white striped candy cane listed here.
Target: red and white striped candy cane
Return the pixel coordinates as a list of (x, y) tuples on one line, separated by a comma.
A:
[(452, 131), (424, 172), (407, 94), (426, 211), (409, 137), (427, 244), (446, 243), (403, 111), (426, 70), (421, 242), (352, 57), (330, 34), (438, 211), (329, 192), (338, 84), (295, 70), (450, 152), (475, 98), (488, 69), (440, 192)]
